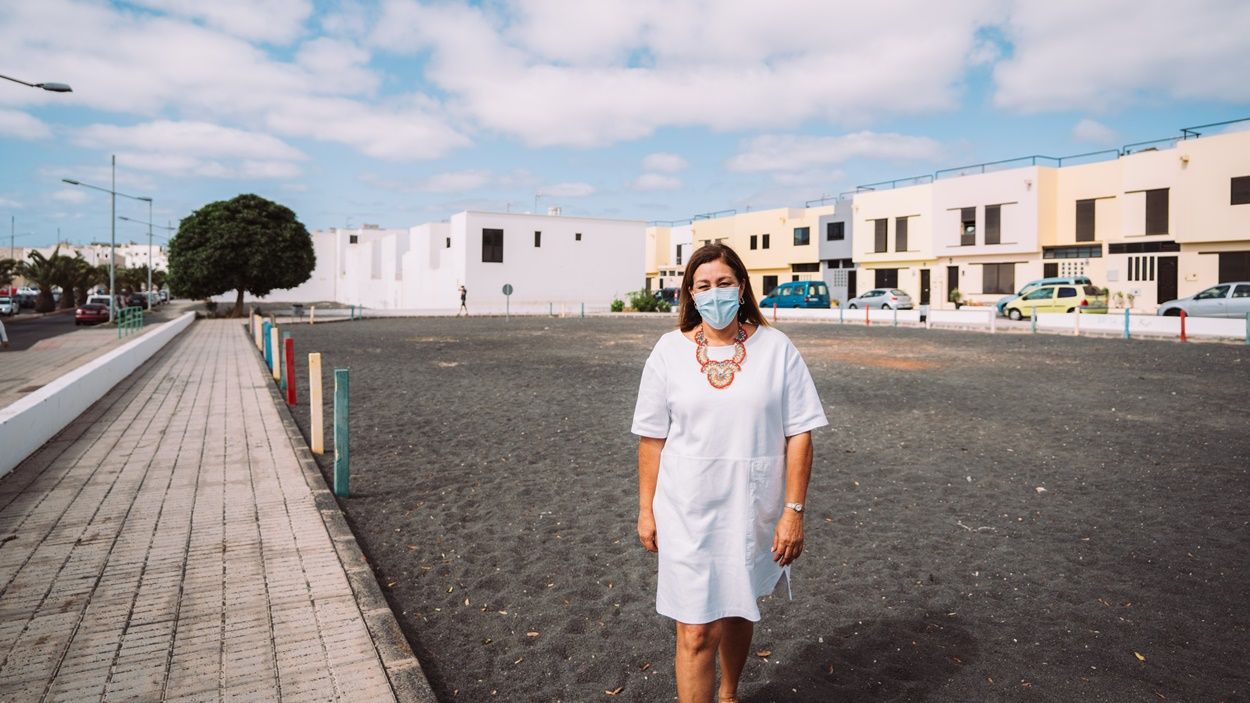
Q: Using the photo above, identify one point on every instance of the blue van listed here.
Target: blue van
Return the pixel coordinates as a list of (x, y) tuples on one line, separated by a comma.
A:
[(798, 294)]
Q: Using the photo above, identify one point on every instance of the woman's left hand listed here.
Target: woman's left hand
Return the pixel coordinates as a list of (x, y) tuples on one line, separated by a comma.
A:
[(788, 538)]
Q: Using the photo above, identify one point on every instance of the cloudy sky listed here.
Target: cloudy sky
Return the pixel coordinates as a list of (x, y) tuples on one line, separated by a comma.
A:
[(399, 112)]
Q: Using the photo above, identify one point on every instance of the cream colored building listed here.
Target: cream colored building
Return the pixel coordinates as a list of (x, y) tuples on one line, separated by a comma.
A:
[(1160, 223), (668, 248), (776, 245)]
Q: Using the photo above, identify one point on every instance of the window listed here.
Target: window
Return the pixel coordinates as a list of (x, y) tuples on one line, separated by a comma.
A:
[(447, 244), (1242, 291), (763, 241), (679, 254), (1066, 292), (993, 224), (839, 263), (967, 226), (1081, 252), (900, 234), (805, 268), (577, 237), (1085, 220), (351, 239), (1141, 268), (770, 282), (1157, 211), (1040, 294), (880, 240), (1212, 293), (1142, 247), (998, 278), (754, 241), (886, 278), (802, 236), (492, 246), (538, 238), (1241, 190), (835, 231)]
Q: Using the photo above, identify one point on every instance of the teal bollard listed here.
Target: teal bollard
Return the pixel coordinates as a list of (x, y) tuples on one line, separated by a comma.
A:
[(342, 453), (285, 371), (1033, 319), (1127, 333), (1248, 328), (268, 347), (896, 317), (583, 310)]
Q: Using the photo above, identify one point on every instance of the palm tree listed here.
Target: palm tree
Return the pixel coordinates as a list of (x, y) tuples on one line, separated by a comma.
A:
[(87, 279), (8, 271), (45, 272)]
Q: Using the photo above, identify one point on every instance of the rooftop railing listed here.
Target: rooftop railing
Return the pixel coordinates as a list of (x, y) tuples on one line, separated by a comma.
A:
[(889, 185)]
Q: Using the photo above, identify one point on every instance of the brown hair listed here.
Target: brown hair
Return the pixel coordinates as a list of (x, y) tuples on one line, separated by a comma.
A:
[(688, 316)]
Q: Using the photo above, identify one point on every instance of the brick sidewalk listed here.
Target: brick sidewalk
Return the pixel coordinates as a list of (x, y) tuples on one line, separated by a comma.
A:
[(166, 545)]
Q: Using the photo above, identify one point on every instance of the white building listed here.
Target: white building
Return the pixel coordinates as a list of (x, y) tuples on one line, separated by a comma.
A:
[(551, 261)]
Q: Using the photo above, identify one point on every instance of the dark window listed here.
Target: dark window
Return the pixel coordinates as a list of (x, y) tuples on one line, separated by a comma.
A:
[(770, 282), (538, 238), (1242, 291), (802, 235), (577, 237), (1065, 292), (993, 224), (754, 240), (1234, 266), (967, 226), (1078, 252), (886, 278), (900, 234), (679, 253), (881, 240), (836, 231), (1157, 211), (1213, 293), (1142, 247), (1085, 220), (492, 246), (351, 239), (794, 278), (763, 241), (998, 278), (447, 244), (805, 268), (1241, 190)]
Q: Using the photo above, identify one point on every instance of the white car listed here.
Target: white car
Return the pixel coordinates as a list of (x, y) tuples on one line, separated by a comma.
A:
[(1225, 300), (8, 306)]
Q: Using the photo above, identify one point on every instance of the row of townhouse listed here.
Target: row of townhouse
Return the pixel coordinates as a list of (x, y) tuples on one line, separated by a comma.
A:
[(1157, 223)]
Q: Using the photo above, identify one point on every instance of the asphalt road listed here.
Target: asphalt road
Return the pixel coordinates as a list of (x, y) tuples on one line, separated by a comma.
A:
[(25, 332)]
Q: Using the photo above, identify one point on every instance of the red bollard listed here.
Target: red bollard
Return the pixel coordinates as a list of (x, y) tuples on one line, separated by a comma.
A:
[(289, 368), (867, 318), (1183, 316), (774, 313)]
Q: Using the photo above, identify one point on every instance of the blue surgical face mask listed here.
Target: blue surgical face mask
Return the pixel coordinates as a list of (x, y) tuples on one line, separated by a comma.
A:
[(718, 306)]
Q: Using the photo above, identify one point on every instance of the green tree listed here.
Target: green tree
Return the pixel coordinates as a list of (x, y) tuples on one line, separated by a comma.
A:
[(246, 244), (159, 277), (45, 272), (8, 271)]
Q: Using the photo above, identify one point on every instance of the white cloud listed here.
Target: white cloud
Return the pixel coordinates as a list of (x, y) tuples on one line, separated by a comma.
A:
[(567, 190), (563, 73), (71, 195), (454, 182), (278, 21), (10, 203), (782, 152), (1094, 132), (191, 138), (23, 126), (1111, 55), (656, 181), (664, 163)]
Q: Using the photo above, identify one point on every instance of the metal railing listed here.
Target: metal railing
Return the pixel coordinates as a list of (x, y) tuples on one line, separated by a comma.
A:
[(1018, 162), (714, 215), (1153, 144), (1187, 132), (911, 181), (129, 321)]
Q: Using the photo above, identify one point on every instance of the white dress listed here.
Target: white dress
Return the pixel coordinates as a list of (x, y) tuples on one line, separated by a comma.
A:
[(721, 486)]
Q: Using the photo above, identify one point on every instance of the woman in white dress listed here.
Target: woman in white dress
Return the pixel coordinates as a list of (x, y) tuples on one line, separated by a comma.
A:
[(725, 413)]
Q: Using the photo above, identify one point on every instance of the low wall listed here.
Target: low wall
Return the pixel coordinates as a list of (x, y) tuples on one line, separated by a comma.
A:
[(30, 422), (986, 318), (1145, 325)]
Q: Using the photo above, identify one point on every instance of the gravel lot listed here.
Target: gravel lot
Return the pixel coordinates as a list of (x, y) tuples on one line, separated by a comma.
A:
[(1006, 517)]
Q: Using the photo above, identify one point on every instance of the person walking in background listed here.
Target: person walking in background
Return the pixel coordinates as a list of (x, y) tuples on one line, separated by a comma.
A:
[(725, 412), (463, 308)]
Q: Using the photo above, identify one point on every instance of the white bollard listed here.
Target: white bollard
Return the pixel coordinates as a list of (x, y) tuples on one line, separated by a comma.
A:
[(993, 321), (277, 353), (1076, 323), (317, 439), (312, 314)]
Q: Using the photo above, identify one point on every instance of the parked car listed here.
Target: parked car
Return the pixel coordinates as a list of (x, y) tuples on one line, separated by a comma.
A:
[(91, 314), (668, 295), (138, 300), (1059, 298), (164, 293), (884, 298), (1225, 300), (8, 306), (1053, 280), (798, 294), (102, 299)]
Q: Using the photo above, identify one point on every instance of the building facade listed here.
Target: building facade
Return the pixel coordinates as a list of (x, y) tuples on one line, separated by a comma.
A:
[(776, 246)]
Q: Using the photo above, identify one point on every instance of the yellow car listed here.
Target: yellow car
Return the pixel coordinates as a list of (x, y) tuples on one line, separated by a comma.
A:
[(1058, 298)]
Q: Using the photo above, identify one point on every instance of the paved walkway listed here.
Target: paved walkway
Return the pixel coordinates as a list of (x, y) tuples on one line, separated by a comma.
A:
[(167, 546)]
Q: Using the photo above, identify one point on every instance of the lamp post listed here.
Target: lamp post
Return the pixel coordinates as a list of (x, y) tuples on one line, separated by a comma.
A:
[(50, 87), (112, 230), (150, 225)]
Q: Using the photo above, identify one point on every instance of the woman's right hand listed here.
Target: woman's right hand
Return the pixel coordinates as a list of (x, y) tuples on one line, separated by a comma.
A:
[(646, 530)]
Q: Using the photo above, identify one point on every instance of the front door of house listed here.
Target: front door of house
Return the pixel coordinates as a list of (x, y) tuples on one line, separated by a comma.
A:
[(850, 284), (924, 286), (1165, 283), (952, 280)]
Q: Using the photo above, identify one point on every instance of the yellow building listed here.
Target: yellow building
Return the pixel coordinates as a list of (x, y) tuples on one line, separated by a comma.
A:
[(776, 245)]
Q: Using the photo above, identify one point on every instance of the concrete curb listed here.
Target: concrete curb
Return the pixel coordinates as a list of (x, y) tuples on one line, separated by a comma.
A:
[(404, 671), (29, 422)]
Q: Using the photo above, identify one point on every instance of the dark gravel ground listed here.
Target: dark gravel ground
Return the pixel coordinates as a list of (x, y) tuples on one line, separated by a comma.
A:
[(1006, 517)]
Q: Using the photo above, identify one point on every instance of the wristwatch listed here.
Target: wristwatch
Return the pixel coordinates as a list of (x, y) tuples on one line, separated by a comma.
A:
[(796, 507)]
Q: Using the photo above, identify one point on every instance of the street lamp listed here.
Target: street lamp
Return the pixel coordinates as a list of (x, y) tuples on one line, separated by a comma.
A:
[(170, 228), (112, 230), (50, 87)]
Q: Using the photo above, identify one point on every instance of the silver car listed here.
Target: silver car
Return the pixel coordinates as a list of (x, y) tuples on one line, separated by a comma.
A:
[(884, 298), (1225, 300)]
